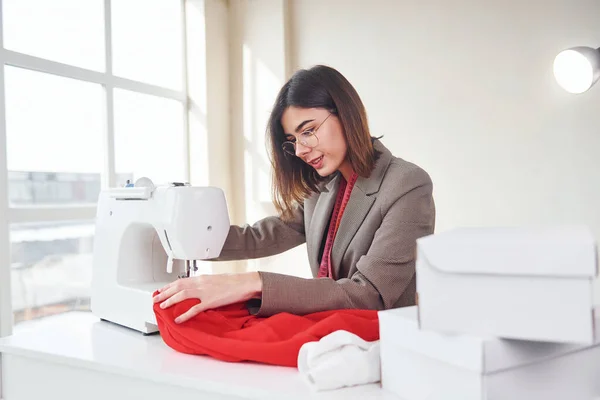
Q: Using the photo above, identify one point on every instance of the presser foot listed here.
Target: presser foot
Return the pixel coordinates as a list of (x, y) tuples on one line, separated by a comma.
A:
[(190, 268)]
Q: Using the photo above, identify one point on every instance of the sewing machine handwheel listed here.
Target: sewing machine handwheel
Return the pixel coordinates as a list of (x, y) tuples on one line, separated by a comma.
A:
[(145, 182)]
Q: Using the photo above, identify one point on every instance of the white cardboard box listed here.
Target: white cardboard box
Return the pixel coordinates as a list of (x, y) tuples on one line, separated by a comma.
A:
[(517, 283), (427, 365)]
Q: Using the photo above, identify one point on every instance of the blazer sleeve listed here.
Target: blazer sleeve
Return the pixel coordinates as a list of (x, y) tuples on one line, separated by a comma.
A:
[(267, 237), (383, 274)]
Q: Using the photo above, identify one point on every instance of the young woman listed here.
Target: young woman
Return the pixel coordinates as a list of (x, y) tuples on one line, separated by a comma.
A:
[(359, 209)]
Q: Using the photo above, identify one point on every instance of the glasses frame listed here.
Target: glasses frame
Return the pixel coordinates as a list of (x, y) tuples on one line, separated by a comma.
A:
[(304, 133)]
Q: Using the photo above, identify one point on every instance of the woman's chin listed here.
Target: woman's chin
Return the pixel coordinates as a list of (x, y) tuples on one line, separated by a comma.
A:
[(325, 171), (325, 168)]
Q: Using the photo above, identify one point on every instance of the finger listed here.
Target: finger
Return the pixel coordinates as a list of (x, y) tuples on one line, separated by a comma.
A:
[(192, 312), (165, 294), (162, 289), (179, 297), (168, 285), (169, 291)]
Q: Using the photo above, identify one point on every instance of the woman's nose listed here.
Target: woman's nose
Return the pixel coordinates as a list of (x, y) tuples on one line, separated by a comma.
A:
[(301, 149)]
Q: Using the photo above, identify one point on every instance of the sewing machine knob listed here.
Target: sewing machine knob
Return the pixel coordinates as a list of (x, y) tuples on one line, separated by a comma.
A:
[(209, 228)]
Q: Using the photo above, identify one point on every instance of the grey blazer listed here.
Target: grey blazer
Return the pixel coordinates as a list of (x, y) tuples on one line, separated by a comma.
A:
[(373, 255)]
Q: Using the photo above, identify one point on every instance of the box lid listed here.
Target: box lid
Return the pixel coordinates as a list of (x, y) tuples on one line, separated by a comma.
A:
[(566, 251), (399, 329)]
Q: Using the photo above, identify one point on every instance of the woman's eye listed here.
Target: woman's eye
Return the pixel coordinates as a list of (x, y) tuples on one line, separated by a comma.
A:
[(307, 132)]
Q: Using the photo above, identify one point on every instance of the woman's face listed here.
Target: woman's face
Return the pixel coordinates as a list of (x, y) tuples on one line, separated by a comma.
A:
[(329, 153)]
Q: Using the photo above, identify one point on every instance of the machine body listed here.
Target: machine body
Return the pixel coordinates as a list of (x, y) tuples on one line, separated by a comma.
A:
[(147, 237)]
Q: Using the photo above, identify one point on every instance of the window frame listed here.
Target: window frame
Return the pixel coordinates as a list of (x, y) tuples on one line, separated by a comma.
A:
[(109, 82)]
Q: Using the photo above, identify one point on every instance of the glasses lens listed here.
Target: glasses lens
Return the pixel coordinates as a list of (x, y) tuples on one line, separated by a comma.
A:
[(289, 148), (311, 140)]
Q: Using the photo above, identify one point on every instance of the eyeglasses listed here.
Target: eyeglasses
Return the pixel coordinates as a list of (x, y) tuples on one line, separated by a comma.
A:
[(307, 138)]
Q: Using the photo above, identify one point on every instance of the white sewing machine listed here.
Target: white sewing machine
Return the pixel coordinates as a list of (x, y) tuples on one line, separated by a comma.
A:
[(146, 237)]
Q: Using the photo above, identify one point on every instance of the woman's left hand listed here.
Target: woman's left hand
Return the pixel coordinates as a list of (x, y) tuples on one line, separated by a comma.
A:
[(212, 290)]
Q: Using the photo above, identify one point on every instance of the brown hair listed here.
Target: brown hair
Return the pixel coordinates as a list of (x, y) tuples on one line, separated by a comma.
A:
[(317, 87)]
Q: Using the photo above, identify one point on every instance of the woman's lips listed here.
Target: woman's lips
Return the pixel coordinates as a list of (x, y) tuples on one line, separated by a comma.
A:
[(317, 162)]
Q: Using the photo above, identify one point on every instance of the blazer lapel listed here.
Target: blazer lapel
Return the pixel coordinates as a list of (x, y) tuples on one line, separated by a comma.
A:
[(356, 210), (360, 202), (319, 221)]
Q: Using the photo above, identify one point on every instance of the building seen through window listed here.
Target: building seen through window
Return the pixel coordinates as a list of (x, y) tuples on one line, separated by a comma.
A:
[(51, 262)]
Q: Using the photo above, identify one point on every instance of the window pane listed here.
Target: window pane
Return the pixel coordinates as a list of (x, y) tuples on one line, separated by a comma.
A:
[(51, 268), (149, 137), (147, 41), (54, 129), (67, 31)]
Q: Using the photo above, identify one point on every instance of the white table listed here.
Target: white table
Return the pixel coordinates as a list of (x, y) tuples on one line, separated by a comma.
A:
[(77, 356)]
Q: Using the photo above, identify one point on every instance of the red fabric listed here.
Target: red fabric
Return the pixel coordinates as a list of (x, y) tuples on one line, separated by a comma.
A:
[(341, 201), (231, 334)]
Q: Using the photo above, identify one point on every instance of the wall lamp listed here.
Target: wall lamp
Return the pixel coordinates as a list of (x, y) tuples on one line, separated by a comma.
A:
[(577, 69)]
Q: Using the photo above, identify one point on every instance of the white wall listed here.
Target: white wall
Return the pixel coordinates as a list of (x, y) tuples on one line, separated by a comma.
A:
[(260, 65), (208, 72), (464, 88)]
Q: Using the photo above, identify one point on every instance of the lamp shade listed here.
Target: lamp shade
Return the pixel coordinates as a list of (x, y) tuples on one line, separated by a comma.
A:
[(577, 69)]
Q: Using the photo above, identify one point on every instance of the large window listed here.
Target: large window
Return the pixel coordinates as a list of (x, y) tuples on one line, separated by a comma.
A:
[(93, 93), (54, 131)]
